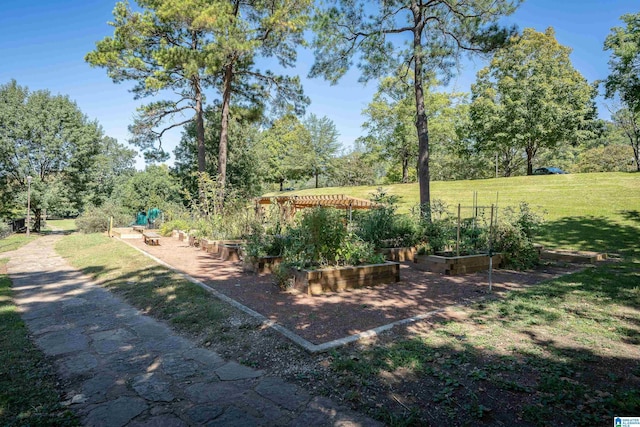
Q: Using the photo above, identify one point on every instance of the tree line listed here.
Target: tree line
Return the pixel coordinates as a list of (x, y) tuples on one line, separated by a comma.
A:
[(199, 62)]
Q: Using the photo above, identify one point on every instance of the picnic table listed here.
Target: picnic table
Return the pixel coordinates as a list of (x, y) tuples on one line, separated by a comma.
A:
[(151, 238)]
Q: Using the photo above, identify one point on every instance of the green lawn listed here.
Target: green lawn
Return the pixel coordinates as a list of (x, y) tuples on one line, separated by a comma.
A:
[(143, 283), (15, 241), (67, 225), (598, 211)]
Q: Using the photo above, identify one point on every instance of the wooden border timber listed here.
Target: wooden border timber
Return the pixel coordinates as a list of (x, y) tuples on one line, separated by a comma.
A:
[(455, 265), (316, 282)]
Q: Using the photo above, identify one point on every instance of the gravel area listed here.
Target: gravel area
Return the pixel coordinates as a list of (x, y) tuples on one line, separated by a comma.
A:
[(324, 318)]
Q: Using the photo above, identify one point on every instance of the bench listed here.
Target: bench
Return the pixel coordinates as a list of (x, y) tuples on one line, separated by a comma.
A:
[(139, 228), (151, 238)]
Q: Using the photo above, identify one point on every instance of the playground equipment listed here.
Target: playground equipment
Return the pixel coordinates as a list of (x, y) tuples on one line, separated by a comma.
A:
[(148, 218)]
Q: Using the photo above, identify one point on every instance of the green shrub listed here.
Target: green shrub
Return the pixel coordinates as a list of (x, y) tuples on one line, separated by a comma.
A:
[(438, 236), (95, 219), (383, 227), (320, 239), (176, 224), (514, 236), (355, 251), (5, 230), (259, 244)]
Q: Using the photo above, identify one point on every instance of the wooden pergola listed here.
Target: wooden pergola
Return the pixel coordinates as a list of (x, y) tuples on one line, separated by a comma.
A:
[(293, 203)]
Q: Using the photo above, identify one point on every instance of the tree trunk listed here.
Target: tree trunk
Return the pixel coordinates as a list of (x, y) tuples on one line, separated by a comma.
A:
[(199, 126), (316, 174), (37, 220), (224, 127), (281, 182), (405, 169), (530, 154), (421, 117)]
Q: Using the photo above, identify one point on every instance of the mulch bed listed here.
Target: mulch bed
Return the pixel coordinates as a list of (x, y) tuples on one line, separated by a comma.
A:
[(324, 318)]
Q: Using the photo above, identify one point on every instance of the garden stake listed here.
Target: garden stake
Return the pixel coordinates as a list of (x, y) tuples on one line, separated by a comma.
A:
[(490, 248), (458, 236)]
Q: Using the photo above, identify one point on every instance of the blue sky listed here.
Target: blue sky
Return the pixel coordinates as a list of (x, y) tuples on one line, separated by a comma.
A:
[(43, 44)]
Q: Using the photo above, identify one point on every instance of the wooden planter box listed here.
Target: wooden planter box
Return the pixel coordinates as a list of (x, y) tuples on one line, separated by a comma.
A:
[(126, 233), (261, 265), (316, 282), (215, 246), (205, 244), (398, 254), (454, 265), (580, 257), (230, 252)]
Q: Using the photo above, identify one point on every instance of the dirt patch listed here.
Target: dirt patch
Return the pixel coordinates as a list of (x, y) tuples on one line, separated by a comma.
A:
[(324, 318)]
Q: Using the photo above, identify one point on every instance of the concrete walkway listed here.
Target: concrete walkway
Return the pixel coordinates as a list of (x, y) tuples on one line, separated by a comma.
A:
[(121, 368)]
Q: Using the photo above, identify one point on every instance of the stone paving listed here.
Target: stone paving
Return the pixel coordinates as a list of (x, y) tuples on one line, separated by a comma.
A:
[(121, 368)]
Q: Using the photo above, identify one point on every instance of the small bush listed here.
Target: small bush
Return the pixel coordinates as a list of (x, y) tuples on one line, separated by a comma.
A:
[(176, 224), (383, 227), (514, 236), (95, 219), (5, 229)]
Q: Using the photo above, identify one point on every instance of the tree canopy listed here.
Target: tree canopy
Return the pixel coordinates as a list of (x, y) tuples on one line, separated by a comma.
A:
[(426, 37), (530, 97), (46, 137), (624, 44), (285, 143), (323, 141), (186, 46)]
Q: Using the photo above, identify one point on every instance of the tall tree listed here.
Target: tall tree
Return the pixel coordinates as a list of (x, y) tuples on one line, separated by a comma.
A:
[(391, 116), (624, 44), (186, 46), (436, 33), (245, 163), (286, 147), (390, 124), (629, 123), (153, 187), (48, 138), (323, 141), (530, 97), (112, 162)]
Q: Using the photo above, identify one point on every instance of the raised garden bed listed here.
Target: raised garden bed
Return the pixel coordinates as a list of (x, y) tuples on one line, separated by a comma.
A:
[(398, 254), (261, 265), (454, 265), (316, 282), (580, 257), (230, 251), (215, 246), (126, 233)]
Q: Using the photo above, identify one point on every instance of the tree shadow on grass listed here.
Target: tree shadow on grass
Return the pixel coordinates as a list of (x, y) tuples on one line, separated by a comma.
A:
[(593, 234), (631, 215)]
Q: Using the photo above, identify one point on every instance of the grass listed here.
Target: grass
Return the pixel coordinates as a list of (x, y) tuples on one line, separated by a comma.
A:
[(28, 394), (15, 241), (564, 350), (143, 283), (66, 225), (567, 349), (580, 209)]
